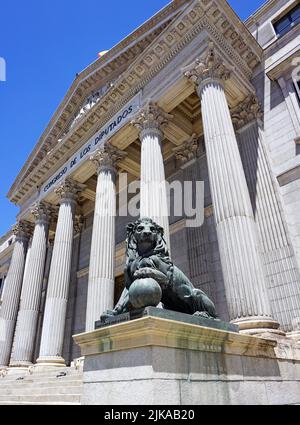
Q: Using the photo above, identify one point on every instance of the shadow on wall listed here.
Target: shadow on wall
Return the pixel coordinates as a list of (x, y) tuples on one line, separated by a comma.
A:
[(276, 95)]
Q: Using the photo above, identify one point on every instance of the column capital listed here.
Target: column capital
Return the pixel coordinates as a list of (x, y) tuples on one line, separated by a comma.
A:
[(247, 111), (68, 190), (151, 118), (189, 150), (23, 230), (107, 157), (209, 67), (42, 212)]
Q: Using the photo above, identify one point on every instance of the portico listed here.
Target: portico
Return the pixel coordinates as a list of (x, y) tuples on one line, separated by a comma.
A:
[(189, 81)]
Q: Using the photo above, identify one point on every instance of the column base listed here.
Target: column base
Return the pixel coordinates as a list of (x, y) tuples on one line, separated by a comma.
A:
[(258, 326), (44, 362)]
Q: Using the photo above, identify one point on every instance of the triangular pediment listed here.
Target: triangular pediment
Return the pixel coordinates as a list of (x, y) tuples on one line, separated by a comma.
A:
[(92, 83), (97, 93)]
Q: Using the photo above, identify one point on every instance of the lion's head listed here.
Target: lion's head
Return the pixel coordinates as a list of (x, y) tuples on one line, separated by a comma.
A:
[(145, 237)]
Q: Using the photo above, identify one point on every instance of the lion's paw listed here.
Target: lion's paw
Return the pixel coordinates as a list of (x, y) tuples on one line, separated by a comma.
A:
[(144, 273), (202, 314)]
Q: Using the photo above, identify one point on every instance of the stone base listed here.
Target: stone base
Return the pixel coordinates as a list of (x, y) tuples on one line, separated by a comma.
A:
[(19, 364), (155, 361), (50, 362), (295, 336), (258, 326), (17, 370)]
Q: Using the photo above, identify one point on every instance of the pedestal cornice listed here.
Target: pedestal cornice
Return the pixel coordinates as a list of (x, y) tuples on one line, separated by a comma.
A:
[(152, 331)]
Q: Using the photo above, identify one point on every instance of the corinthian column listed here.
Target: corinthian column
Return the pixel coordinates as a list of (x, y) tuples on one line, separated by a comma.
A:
[(102, 260), (59, 277), (25, 333), (245, 286), (13, 286), (153, 202)]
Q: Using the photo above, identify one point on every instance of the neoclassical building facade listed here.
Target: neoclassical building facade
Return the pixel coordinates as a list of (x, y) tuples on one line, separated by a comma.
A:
[(194, 94)]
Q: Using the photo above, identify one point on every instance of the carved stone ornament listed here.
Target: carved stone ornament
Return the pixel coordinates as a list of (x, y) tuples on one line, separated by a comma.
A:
[(211, 66), (246, 112), (23, 230), (107, 157), (190, 150), (151, 117), (69, 189), (42, 211)]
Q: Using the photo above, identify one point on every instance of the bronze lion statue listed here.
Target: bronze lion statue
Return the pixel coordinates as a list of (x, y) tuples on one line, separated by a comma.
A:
[(147, 258)]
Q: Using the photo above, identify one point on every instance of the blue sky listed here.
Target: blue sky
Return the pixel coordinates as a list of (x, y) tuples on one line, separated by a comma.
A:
[(45, 43)]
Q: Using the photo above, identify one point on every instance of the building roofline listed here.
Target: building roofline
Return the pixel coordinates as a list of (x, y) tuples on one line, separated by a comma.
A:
[(260, 11)]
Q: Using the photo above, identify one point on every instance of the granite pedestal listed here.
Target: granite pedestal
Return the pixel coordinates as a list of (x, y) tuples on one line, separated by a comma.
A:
[(158, 361)]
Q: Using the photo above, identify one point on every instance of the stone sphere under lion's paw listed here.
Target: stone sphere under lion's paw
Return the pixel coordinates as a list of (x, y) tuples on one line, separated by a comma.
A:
[(145, 293)]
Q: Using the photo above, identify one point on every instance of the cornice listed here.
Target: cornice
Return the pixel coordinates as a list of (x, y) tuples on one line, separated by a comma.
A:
[(197, 16), (5, 237), (262, 10)]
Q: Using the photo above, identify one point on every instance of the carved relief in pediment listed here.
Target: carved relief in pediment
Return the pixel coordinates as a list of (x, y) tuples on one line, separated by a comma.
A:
[(90, 102)]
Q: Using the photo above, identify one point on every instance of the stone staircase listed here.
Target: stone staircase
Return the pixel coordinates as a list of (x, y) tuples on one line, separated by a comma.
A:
[(59, 386)]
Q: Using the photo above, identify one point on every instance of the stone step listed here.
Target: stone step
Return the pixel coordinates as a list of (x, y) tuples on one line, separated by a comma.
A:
[(37, 378), (43, 372), (43, 384), (49, 398), (35, 390), (20, 403)]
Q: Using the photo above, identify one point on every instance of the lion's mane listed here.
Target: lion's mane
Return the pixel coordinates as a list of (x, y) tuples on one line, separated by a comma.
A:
[(160, 250)]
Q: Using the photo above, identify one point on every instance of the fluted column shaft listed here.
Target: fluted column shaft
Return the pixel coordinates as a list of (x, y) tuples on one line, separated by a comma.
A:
[(153, 189), (11, 299), (153, 195), (59, 279), (102, 259), (26, 328), (245, 286), (246, 289)]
